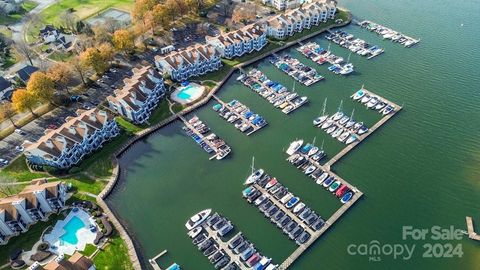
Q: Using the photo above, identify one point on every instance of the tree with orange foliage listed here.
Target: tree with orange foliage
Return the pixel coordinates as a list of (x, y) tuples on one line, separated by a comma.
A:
[(61, 74), (23, 100), (41, 86), (7, 111), (124, 40)]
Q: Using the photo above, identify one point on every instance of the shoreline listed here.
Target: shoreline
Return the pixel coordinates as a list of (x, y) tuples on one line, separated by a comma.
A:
[(136, 257)]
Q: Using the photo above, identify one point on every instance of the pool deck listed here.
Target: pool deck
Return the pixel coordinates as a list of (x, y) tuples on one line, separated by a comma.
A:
[(192, 97)]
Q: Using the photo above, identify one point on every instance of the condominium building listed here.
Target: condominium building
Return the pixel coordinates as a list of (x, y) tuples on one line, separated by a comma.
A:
[(195, 60), (35, 202), (296, 20), (284, 4), (67, 145), (139, 96), (239, 42)]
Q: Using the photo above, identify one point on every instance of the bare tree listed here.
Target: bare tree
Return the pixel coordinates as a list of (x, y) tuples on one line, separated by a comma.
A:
[(24, 50), (69, 20)]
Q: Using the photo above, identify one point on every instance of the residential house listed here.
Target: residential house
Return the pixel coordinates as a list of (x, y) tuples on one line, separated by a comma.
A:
[(24, 73), (48, 33), (285, 4), (192, 61), (239, 42), (76, 262), (68, 144), (5, 87), (139, 96), (296, 20), (35, 202), (52, 36)]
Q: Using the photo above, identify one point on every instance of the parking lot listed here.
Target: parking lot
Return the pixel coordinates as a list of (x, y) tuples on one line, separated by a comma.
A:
[(95, 95)]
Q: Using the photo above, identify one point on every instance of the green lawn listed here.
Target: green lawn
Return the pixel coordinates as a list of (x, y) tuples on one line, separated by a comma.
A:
[(128, 126), (19, 171), (60, 56), (26, 240), (89, 250), (113, 256), (159, 114), (99, 163), (12, 18), (82, 8)]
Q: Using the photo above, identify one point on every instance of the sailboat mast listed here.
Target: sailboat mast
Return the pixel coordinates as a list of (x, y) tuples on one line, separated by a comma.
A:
[(253, 163)]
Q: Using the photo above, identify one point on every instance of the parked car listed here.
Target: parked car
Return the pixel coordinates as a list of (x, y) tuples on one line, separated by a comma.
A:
[(19, 148), (75, 98), (52, 126), (20, 132), (3, 162)]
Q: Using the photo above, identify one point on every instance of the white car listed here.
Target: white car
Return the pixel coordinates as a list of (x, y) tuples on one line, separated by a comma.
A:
[(19, 148), (20, 132), (3, 161)]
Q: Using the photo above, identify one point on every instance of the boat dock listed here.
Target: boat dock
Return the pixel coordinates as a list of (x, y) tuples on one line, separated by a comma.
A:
[(299, 251), (356, 45), (214, 145), (275, 93), (361, 138), (224, 246), (317, 54), (471, 230), (153, 261), (238, 109), (282, 207), (296, 69), (388, 33)]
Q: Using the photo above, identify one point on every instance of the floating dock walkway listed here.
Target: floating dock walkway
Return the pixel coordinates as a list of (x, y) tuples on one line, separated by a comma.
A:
[(153, 261), (361, 138), (471, 231), (224, 247), (299, 251), (202, 137), (297, 70), (388, 33), (254, 128)]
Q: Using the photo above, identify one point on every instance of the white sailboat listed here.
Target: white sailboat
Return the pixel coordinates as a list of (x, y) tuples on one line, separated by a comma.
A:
[(339, 113), (320, 119), (255, 175)]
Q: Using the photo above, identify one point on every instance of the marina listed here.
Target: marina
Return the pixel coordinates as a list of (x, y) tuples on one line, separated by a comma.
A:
[(237, 252), (275, 93), (296, 69), (239, 115), (319, 55), (211, 143), (471, 231), (355, 45), (387, 33)]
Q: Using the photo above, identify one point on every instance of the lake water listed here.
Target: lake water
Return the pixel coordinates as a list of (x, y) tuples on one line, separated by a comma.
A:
[(421, 169)]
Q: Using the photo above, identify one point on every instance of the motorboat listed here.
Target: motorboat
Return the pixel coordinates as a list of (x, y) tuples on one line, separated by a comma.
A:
[(322, 178), (299, 207), (236, 241), (319, 155), (344, 136), (351, 139), (347, 197), (331, 129), (294, 146), (254, 259), (225, 229), (374, 101), (260, 199), (333, 187), (197, 219), (262, 264), (319, 120), (358, 95), (217, 107), (337, 132), (341, 191), (254, 176), (286, 198), (350, 123), (329, 181), (306, 148), (388, 109), (249, 190), (365, 98), (362, 130), (193, 233), (292, 202), (327, 124), (344, 120), (310, 169), (199, 239), (271, 183), (313, 151), (380, 105)]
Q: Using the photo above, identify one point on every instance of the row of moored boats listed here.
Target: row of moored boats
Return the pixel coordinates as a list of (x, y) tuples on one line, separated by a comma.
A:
[(388, 33), (274, 92), (319, 55), (240, 116), (355, 45), (373, 102), (341, 126), (211, 143), (240, 250), (296, 69), (274, 194), (300, 156)]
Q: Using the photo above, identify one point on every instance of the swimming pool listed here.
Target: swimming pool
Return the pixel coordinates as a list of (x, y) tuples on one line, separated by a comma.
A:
[(71, 229), (188, 94)]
